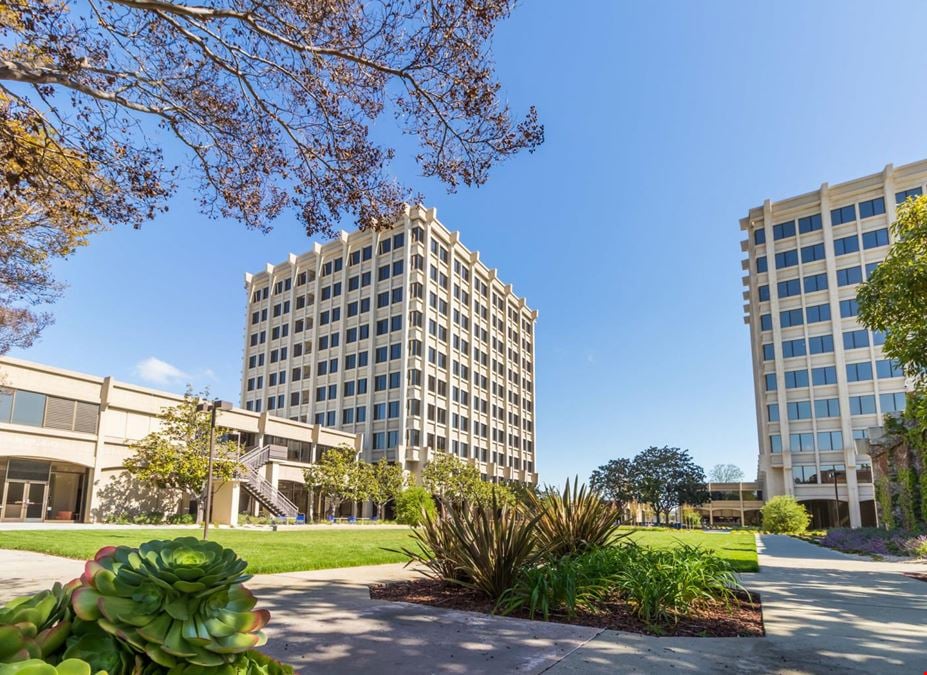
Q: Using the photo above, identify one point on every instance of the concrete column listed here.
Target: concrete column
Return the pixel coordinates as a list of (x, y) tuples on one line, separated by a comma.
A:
[(225, 503)]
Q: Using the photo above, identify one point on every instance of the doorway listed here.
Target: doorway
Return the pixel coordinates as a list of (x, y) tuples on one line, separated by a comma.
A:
[(24, 501)]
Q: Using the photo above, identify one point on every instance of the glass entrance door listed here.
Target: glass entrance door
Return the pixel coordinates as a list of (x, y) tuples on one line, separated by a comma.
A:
[(24, 500)]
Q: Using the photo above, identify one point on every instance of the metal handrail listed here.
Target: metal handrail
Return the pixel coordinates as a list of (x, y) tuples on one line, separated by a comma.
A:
[(260, 486)]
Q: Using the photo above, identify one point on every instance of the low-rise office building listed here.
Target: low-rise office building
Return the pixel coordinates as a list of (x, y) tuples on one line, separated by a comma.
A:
[(64, 437)]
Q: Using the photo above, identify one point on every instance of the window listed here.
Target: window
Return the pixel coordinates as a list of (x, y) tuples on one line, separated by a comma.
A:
[(381, 355), (821, 344), (360, 414), (846, 245), (799, 410), (784, 230), (766, 322), (379, 383), (788, 258), (795, 379), (859, 372), (875, 238), (759, 236), (804, 474), (349, 388), (824, 375), (383, 299), (395, 351), (892, 402), (904, 195), (769, 352), (854, 339), (350, 361), (873, 207), (827, 407), (849, 308), (812, 253), (379, 411), (817, 313), (28, 408), (887, 368), (761, 265), (862, 405), (830, 440), (365, 278), (801, 442), (770, 382), (792, 348), (775, 443), (788, 288), (878, 337), (864, 473), (845, 214), (764, 292), (772, 412), (790, 317), (870, 268), (809, 223), (849, 276), (816, 282), (383, 273), (394, 380), (361, 387)]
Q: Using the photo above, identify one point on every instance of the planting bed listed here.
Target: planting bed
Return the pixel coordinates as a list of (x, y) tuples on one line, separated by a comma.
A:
[(744, 618)]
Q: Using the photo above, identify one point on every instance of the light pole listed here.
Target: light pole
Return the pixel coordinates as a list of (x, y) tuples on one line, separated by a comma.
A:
[(212, 407)]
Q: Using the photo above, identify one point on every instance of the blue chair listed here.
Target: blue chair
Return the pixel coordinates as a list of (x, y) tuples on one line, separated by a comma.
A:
[(352, 519), (300, 518)]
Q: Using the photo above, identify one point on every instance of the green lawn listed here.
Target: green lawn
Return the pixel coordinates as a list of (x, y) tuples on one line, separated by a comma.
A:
[(266, 552), (738, 546), (312, 549)]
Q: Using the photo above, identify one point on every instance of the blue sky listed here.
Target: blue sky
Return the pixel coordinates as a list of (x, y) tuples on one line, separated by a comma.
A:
[(665, 122)]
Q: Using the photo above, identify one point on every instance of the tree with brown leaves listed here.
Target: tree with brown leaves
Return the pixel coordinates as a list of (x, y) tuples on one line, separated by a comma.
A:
[(273, 102)]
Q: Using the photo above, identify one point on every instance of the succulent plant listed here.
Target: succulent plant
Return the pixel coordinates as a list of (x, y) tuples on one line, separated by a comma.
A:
[(35, 626), (103, 651), (249, 663), (40, 667), (179, 601)]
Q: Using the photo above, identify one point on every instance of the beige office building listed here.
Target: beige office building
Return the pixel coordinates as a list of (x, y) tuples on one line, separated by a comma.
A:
[(821, 380), (403, 336), (65, 435)]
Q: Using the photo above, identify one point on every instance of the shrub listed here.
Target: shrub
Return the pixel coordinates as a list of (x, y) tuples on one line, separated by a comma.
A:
[(784, 515), (484, 547), (573, 520), (411, 503), (661, 584)]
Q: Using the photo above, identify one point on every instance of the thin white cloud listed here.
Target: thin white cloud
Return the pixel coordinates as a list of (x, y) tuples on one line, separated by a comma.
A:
[(156, 371)]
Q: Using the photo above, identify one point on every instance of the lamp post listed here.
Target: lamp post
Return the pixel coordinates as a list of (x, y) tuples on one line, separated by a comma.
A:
[(212, 407)]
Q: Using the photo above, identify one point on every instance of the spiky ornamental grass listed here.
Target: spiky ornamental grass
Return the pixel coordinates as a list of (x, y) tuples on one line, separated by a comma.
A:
[(34, 626), (179, 601)]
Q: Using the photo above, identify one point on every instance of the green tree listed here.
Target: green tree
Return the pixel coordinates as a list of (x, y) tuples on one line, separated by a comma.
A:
[(614, 481), (279, 109), (386, 482), (450, 479), (176, 456), (666, 477), (412, 503), (338, 477), (784, 515)]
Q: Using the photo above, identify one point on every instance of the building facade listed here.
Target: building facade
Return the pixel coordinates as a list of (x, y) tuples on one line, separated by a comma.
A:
[(403, 336), (821, 380), (64, 437)]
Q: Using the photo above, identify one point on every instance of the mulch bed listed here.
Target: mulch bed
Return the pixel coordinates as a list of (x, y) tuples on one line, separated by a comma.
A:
[(920, 576), (743, 619)]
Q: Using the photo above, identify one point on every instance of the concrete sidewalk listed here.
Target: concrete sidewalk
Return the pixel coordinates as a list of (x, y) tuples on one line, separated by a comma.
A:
[(825, 612)]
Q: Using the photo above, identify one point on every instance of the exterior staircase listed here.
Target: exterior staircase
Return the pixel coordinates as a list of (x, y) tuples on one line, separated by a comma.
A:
[(262, 489)]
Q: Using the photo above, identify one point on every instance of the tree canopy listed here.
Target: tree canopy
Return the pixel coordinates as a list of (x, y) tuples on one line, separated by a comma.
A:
[(894, 299), (338, 476), (176, 457), (614, 482), (662, 478), (270, 104), (725, 473)]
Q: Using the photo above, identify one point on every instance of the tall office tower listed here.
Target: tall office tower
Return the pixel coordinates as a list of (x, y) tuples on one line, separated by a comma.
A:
[(403, 335), (821, 380)]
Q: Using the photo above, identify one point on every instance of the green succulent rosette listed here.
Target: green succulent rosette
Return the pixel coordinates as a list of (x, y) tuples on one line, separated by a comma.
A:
[(104, 652), (249, 663), (40, 667), (35, 626), (179, 601)]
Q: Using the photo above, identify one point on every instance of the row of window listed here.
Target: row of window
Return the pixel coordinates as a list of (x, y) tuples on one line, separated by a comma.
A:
[(847, 276), (808, 474), (838, 216), (830, 407), (856, 372), (814, 252), (822, 344), (812, 314)]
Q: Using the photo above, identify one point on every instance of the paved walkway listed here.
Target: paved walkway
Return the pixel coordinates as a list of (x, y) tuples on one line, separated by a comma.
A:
[(825, 612)]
